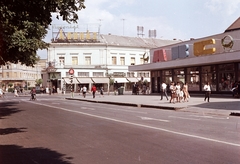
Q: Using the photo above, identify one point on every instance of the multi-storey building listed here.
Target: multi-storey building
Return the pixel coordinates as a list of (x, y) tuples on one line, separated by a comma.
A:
[(18, 75), (99, 59)]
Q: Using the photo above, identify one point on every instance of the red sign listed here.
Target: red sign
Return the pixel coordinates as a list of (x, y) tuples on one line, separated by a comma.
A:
[(71, 71)]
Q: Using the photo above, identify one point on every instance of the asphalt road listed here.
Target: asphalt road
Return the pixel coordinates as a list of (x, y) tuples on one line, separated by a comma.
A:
[(59, 131)]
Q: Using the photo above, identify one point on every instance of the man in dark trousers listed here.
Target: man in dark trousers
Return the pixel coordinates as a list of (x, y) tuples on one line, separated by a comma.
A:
[(94, 90), (164, 90)]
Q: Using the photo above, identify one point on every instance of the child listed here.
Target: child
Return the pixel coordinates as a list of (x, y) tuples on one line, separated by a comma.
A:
[(181, 96)]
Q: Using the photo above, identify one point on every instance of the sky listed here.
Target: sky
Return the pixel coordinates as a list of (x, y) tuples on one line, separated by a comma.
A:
[(172, 19)]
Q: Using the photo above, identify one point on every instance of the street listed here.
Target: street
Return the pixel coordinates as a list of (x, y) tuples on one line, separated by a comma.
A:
[(55, 130)]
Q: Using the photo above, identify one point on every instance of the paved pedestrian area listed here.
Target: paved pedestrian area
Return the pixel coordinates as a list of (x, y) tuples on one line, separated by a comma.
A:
[(217, 106)]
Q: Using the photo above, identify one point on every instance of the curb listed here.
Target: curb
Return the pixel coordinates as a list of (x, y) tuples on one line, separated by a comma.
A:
[(128, 104)]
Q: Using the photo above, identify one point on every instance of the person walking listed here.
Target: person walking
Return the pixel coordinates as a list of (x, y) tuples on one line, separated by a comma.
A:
[(178, 91), (15, 93), (186, 94), (93, 90), (164, 90), (207, 90), (173, 92), (101, 92), (84, 90)]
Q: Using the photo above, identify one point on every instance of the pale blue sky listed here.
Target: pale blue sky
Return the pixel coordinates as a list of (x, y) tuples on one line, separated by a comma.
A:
[(180, 19)]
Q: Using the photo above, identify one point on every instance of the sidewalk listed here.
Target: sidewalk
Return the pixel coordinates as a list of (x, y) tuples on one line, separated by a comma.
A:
[(217, 105)]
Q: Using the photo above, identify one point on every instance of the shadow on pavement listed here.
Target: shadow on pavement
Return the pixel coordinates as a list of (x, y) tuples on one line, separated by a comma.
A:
[(232, 105), (6, 109), (11, 130), (13, 154)]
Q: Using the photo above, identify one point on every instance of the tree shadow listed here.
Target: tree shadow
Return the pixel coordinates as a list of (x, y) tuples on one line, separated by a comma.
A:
[(11, 130), (231, 106), (10, 154), (7, 108)]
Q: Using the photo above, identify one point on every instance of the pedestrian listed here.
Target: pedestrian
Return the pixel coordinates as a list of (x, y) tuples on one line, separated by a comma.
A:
[(186, 94), (16, 93), (178, 91), (164, 90), (101, 91), (207, 90), (84, 90), (173, 92), (93, 90)]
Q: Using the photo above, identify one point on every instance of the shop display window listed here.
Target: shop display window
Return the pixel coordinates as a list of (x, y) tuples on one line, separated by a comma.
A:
[(179, 76), (226, 77), (193, 79), (209, 75)]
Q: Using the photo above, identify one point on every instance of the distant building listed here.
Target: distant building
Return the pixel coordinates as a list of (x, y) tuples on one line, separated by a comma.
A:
[(214, 59), (99, 59), (19, 75)]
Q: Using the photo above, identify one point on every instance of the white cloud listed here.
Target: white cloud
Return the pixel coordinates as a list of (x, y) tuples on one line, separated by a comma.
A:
[(228, 7)]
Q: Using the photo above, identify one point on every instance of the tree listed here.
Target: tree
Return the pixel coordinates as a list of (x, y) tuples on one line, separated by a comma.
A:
[(38, 82), (24, 23)]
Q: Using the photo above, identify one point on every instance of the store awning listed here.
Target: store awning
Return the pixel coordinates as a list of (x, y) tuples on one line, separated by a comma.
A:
[(85, 80), (67, 80), (121, 80), (132, 79), (100, 79)]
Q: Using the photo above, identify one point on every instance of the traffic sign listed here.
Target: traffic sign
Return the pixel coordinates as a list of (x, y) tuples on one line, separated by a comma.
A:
[(71, 71)]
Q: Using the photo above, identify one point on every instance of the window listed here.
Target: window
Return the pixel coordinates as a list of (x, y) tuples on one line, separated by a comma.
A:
[(74, 60), (83, 74), (122, 60), (193, 79), (114, 60), (97, 74), (226, 77), (62, 60), (209, 75), (141, 61), (132, 60), (87, 60)]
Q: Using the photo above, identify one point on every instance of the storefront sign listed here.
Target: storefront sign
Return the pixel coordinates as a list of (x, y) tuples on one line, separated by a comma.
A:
[(204, 47)]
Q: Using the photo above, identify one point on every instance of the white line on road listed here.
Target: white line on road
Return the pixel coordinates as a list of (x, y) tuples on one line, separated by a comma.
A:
[(154, 119), (195, 119), (141, 125), (87, 108), (211, 117)]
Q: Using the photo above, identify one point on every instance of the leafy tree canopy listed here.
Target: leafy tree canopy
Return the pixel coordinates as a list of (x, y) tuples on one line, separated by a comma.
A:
[(24, 23)]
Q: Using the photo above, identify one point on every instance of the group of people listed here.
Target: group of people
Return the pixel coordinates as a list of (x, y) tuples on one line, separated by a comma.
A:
[(83, 90), (178, 93)]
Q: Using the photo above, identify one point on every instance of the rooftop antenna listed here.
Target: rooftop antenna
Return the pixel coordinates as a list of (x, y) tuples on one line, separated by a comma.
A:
[(140, 30)]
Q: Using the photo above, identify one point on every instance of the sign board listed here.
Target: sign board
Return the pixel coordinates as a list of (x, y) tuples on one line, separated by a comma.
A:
[(71, 71)]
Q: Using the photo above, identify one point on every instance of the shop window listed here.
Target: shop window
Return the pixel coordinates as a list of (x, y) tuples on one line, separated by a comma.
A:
[(179, 76), (97, 74), (226, 77), (209, 75), (83, 74), (193, 79)]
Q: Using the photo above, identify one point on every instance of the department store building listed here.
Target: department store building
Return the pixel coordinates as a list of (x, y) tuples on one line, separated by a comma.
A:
[(214, 59)]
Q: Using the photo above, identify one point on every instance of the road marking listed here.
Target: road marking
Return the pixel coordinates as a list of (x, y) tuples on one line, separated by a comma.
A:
[(211, 117), (141, 125), (154, 119), (195, 119), (87, 108)]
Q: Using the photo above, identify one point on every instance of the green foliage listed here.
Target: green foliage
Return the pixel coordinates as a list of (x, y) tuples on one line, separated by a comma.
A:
[(24, 23), (111, 81), (10, 85), (38, 82)]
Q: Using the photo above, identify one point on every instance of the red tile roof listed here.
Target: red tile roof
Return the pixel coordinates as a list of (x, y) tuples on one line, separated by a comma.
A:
[(234, 26)]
